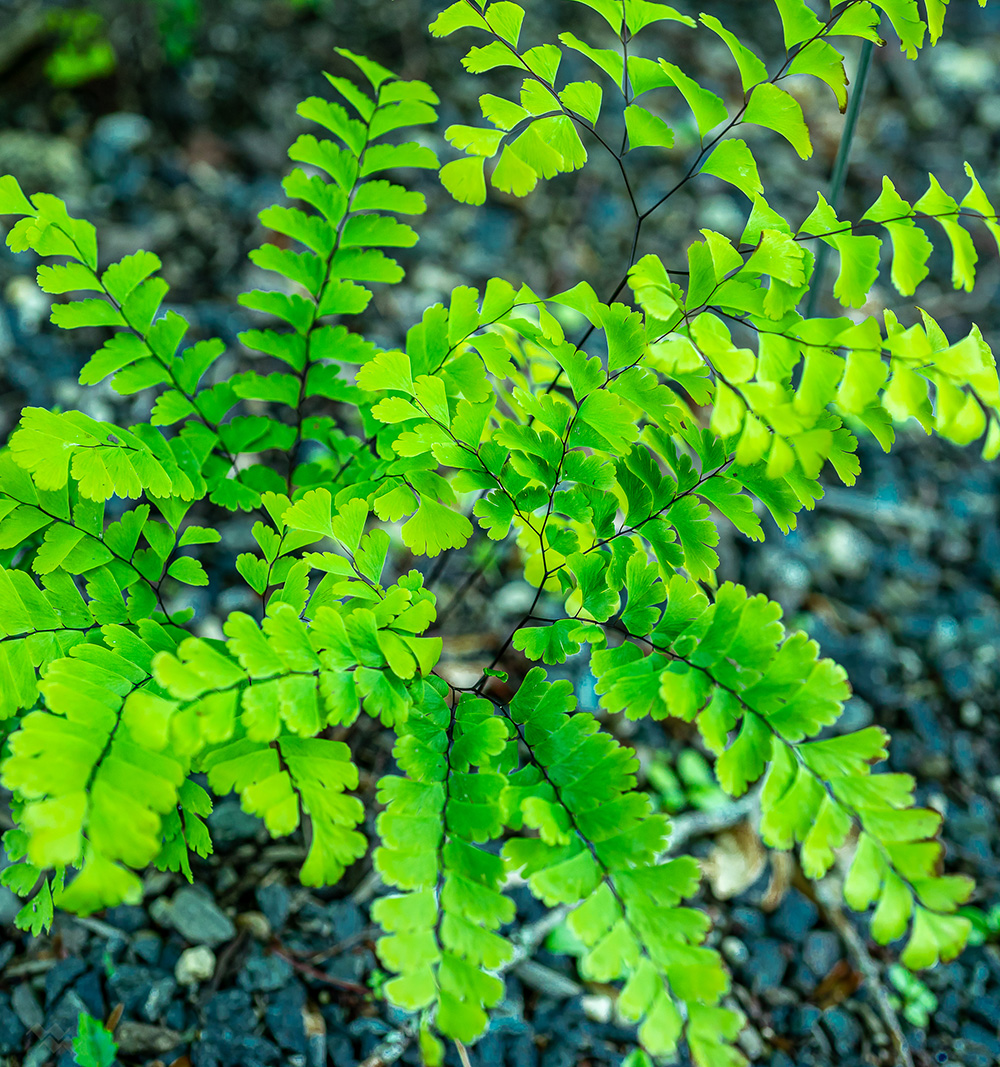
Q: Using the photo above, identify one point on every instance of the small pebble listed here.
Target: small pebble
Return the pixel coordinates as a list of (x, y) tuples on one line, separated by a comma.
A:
[(195, 965)]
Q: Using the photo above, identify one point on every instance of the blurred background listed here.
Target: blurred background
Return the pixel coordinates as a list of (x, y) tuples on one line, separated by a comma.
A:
[(166, 123)]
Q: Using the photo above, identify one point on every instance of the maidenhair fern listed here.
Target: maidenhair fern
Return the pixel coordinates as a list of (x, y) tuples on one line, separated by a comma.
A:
[(705, 391)]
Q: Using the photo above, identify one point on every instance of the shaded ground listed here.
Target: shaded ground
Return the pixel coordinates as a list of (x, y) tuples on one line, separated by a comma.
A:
[(898, 579)]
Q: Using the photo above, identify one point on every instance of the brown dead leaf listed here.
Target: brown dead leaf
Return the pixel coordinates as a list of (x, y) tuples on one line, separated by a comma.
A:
[(782, 871), (842, 981)]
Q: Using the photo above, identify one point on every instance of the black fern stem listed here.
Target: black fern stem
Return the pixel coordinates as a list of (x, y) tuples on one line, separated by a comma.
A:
[(840, 168)]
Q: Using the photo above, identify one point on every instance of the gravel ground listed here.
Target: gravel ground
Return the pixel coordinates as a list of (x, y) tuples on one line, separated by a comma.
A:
[(898, 578)]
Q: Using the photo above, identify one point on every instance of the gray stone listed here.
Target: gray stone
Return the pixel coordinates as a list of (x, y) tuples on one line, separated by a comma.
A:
[(197, 918), (63, 975), (274, 901), (91, 993), (348, 920), (264, 973), (131, 984), (822, 949), (232, 1010), (122, 131), (734, 950), (26, 1006), (230, 824), (195, 965), (973, 1032), (147, 947), (285, 1017), (158, 1000), (63, 1023), (127, 917), (12, 1030)]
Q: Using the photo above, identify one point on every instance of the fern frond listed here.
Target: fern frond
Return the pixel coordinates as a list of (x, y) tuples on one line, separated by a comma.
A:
[(598, 848), (757, 694), (441, 932)]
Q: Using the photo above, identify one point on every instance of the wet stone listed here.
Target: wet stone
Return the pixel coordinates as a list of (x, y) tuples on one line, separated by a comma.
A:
[(795, 917)]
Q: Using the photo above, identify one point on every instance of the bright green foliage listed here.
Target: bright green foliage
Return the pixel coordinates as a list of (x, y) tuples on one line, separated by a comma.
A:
[(93, 1046), (701, 393)]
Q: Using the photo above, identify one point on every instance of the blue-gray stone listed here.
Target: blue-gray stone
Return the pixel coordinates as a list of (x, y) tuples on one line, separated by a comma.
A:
[(795, 916), (60, 977), (12, 1030), (264, 973), (822, 949), (844, 1030), (274, 901), (197, 918), (767, 964)]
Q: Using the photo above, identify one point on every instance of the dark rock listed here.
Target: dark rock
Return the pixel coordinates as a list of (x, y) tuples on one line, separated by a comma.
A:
[(12, 1030), (795, 917), (804, 1018), (158, 1000), (64, 1021), (348, 920), (350, 966), (821, 951), (177, 1016), (844, 1030), (767, 964), (222, 1048), (91, 993), (60, 977), (748, 920), (986, 1009), (522, 1051), (231, 1009), (274, 901), (147, 947), (127, 917), (285, 1019), (980, 1035), (264, 973), (132, 984), (230, 824), (339, 1048), (7, 951)]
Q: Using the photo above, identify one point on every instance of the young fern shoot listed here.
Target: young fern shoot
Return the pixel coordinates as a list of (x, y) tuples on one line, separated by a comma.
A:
[(612, 472)]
